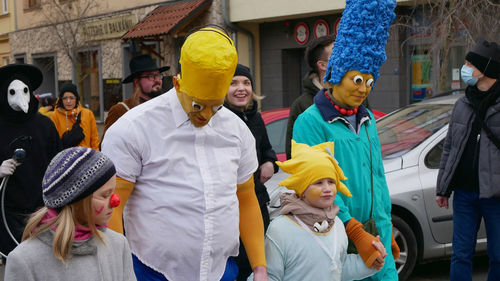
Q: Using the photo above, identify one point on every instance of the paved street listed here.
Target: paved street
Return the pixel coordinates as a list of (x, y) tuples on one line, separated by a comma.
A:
[(436, 271)]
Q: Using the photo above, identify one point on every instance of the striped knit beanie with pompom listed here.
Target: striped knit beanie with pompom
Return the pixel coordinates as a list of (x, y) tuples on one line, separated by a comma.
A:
[(74, 174)]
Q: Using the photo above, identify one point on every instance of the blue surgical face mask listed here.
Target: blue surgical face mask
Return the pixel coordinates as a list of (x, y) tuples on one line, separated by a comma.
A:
[(467, 77)]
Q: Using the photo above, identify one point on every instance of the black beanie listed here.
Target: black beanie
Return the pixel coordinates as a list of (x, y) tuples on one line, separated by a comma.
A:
[(242, 70), (69, 87), (485, 56)]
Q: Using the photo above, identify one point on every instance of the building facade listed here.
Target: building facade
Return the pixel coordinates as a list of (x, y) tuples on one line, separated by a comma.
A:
[(278, 31), (81, 42), (7, 25), (93, 49)]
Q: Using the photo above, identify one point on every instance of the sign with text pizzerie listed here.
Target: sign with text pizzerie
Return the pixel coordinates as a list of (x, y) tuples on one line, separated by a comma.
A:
[(108, 28)]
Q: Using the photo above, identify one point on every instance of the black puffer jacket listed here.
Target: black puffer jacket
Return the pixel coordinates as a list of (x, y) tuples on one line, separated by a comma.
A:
[(487, 165), (265, 152)]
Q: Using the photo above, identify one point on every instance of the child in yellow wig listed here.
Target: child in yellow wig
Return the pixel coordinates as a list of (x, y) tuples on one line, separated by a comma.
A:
[(308, 241)]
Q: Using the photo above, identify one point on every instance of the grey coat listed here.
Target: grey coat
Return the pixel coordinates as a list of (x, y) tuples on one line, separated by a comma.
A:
[(91, 260), (489, 155)]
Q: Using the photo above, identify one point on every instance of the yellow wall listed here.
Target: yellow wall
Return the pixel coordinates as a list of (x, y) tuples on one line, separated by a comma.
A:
[(263, 10), (35, 17), (6, 26)]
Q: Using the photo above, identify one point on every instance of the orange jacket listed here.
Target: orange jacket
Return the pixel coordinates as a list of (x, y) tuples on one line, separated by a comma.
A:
[(64, 120)]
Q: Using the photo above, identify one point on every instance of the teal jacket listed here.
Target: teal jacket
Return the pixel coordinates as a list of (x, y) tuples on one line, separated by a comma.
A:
[(321, 123)]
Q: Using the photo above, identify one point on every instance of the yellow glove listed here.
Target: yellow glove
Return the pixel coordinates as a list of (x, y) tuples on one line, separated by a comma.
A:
[(394, 248), (123, 188), (363, 241), (251, 225)]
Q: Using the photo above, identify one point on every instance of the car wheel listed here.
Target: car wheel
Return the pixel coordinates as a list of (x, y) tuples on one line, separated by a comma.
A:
[(407, 243)]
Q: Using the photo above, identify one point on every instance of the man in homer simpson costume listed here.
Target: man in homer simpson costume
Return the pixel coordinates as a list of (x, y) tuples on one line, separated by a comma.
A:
[(185, 169), (337, 115)]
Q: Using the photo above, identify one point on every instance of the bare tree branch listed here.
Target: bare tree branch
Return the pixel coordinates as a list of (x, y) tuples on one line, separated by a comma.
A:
[(453, 22)]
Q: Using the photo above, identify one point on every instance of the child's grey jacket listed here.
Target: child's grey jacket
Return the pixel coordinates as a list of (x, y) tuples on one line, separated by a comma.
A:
[(91, 260)]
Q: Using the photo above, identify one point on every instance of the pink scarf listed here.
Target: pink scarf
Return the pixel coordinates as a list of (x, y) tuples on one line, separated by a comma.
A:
[(81, 233)]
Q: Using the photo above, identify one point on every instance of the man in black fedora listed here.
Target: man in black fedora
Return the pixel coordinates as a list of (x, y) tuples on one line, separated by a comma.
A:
[(147, 79)]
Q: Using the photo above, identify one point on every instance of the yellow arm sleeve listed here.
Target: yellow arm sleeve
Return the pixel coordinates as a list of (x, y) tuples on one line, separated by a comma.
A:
[(123, 189), (251, 224)]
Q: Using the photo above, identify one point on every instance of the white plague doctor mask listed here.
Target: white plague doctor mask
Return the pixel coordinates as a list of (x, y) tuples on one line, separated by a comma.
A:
[(18, 96)]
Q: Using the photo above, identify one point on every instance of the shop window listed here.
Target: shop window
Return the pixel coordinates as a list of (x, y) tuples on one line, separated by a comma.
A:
[(89, 81), (456, 60), (421, 62), (20, 58)]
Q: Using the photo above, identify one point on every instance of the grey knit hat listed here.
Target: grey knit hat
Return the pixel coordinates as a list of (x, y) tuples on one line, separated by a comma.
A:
[(74, 174)]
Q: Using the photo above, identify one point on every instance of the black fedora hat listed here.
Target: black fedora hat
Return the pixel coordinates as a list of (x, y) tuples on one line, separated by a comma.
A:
[(140, 64), (31, 72)]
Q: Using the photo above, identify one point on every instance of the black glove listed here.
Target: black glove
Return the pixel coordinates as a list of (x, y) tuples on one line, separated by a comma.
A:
[(75, 135)]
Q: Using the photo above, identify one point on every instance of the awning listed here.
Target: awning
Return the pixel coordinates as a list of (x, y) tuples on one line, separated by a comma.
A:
[(169, 19)]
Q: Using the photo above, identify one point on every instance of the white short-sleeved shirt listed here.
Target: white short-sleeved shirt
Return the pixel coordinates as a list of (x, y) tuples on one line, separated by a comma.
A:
[(182, 217)]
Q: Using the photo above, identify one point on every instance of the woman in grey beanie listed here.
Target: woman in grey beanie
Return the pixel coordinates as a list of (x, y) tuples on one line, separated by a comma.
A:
[(68, 239)]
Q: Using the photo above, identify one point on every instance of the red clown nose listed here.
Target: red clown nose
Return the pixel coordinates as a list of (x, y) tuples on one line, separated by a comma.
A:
[(114, 201)]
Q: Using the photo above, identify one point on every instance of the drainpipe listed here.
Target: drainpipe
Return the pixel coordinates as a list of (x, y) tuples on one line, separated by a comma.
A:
[(225, 13)]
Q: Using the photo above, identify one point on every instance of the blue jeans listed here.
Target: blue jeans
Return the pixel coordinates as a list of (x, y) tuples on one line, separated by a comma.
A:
[(467, 212), (145, 273)]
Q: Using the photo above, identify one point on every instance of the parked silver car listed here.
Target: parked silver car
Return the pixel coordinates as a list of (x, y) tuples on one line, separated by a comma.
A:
[(412, 140)]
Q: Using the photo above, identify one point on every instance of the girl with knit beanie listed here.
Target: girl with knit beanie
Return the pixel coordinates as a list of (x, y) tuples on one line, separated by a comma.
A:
[(68, 239), (308, 241)]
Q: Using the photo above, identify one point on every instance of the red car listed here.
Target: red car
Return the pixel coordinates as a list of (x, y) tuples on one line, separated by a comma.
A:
[(276, 121)]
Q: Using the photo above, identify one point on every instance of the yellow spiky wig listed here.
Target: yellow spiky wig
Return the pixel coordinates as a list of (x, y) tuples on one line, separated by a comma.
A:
[(208, 61), (311, 163)]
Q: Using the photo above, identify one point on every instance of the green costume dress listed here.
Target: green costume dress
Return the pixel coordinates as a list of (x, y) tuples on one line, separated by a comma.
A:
[(321, 123)]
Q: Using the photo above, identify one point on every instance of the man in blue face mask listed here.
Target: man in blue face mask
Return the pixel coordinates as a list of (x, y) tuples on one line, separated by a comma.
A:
[(470, 164)]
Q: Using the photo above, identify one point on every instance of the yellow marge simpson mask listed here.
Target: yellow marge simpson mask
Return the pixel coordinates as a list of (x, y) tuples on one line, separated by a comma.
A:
[(311, 163), (353, 89), (208, 61)]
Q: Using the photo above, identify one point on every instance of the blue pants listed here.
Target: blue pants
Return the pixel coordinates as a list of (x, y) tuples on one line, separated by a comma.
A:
[(145, 273), (467, 212)]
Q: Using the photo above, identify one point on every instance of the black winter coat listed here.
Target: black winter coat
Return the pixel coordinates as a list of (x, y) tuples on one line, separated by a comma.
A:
[(37, 135), (265, 152), (459, 131), (303, 102)]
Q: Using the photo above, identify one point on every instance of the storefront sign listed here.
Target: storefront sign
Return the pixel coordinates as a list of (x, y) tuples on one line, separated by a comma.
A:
[(301, 33), (108, 28), (321, 28), (336, 26)]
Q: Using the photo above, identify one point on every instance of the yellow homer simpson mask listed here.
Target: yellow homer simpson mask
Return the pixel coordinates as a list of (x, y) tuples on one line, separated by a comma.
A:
[(208, 61), (311, 163)]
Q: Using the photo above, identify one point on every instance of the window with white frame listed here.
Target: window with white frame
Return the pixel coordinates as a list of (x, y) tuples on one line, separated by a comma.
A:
[(5, 8)]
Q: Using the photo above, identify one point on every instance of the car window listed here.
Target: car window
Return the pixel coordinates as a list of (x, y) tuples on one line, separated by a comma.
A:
[(276, 131), (433, 158), (406, 128)]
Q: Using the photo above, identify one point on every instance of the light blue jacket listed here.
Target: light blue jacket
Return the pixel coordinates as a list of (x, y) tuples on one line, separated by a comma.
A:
[(292, 254), (321, 123)]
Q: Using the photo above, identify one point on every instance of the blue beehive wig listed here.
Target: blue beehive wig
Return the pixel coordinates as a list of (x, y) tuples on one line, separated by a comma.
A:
[(361, 39)]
